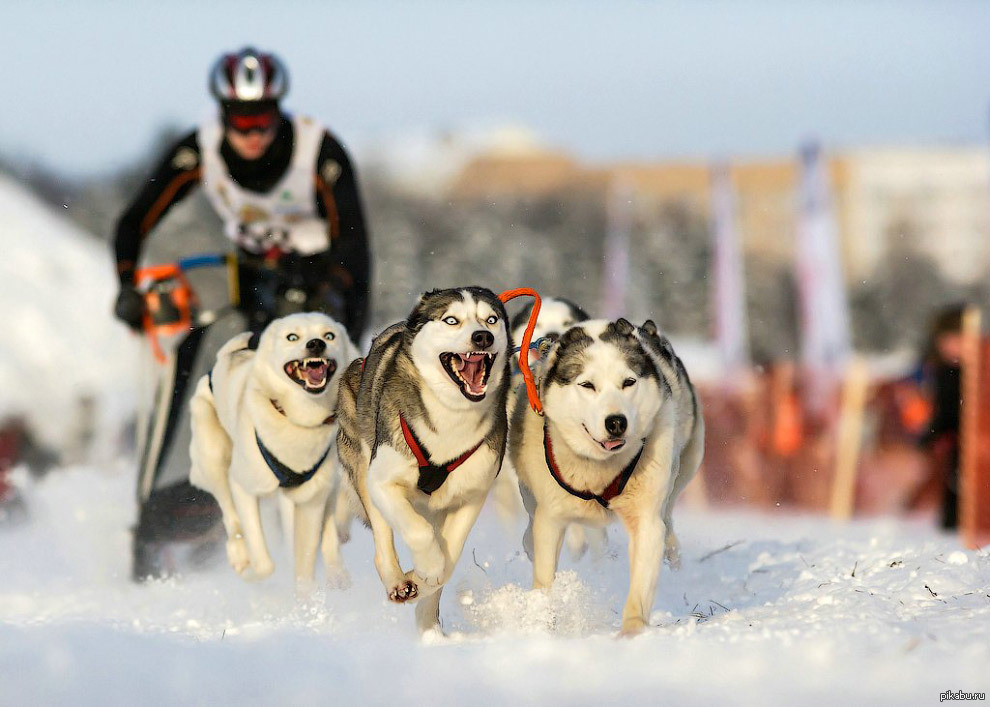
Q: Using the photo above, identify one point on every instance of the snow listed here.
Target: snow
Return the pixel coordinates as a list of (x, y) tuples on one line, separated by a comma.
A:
[(60, 342), (766, 609)]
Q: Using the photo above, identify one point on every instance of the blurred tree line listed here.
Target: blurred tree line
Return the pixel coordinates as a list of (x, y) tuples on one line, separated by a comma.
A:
[(553, 243)]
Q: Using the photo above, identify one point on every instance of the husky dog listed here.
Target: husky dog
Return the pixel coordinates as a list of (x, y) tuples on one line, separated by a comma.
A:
[(263, 420), (422, 435), (621, 435), (557, 315)]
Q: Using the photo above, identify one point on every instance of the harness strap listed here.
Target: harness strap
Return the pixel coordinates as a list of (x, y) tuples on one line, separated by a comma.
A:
[(288, 478), (611, 491), (431, 476)]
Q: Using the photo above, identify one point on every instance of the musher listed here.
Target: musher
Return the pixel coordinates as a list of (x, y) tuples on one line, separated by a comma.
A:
[(288, 197)]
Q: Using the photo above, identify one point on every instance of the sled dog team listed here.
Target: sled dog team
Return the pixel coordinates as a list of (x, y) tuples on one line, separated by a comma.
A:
[(411, 438)]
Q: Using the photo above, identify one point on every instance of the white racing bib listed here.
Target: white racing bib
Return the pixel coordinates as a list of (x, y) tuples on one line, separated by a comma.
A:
[(286, 216)]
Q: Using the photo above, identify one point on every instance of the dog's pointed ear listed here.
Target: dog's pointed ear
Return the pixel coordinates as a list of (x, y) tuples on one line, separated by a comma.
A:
[(254, 341), (549, 349), (624, 327), (650, 327)]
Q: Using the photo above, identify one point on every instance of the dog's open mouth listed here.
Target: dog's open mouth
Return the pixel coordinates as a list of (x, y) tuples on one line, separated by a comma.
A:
[(469, 371), (612, 444), (312, 374)]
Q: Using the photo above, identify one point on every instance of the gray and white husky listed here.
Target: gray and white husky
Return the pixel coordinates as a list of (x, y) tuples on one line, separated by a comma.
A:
[(621, 435), (422, 435)]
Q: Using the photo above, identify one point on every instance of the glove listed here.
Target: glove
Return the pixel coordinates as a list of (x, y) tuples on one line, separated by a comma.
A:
[(129, 307)]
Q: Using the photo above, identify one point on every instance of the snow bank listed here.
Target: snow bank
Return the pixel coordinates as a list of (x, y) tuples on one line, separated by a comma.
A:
[(767, 609), (60, 341)]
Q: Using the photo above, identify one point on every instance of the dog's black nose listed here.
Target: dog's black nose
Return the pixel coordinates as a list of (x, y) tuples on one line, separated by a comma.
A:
[(482, 339), (316, 346), (616, 425)]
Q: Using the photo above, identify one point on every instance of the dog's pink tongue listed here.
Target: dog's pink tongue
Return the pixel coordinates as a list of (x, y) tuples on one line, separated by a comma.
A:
[(613, 444), (473, 371), (315, 373)]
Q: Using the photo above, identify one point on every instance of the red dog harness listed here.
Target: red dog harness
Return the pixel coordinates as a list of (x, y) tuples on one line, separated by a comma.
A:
[(431, 476)]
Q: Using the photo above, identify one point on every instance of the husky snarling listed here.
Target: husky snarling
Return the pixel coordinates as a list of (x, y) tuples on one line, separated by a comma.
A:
[(263, 421), (422, 435), (621, 435)]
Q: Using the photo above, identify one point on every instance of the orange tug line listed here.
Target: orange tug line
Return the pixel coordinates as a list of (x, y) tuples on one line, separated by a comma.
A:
[(531, 393)]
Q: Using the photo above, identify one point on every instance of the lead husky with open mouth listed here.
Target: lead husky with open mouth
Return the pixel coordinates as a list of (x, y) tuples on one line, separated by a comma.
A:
[(621, 436), (422, 435), (264, 420)]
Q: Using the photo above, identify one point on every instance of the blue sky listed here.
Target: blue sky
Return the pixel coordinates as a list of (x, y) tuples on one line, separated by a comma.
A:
[(88, 84)]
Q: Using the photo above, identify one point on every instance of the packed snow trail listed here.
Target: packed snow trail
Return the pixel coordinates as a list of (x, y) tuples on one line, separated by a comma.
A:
[(767, 609)]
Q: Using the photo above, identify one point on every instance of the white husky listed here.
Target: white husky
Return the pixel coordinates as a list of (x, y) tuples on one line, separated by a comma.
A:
[(264, 421), (621, 436)]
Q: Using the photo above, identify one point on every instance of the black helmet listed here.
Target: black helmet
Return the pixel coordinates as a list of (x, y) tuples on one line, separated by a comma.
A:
[(248, 76)]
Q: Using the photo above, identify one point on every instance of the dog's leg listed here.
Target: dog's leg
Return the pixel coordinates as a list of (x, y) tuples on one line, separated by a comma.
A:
[(343, 514), (333, 564), (210, 452), (287, 516), (428, 612), (454, 531), (247, 508), (548, 536), (392, 500), (646, 542), (690, 460), (416, 531), (306, 539), (576, 540), (399, 588)]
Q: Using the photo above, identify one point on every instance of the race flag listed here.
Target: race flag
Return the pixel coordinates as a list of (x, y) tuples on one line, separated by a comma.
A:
[(825, 337), (615, 273), (731, 329)]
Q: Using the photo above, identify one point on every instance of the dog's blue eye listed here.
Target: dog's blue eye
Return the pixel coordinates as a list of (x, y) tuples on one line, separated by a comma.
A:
[(587, 384), (329, 336), (492, 319), (293, 337), (628, 382), (450, 320)]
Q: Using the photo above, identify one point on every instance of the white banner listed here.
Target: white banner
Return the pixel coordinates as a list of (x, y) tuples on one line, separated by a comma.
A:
[(731, 328), (825, 336), (615, 273)]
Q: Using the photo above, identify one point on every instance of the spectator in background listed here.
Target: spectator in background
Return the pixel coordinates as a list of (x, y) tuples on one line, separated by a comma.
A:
[(941, 367)]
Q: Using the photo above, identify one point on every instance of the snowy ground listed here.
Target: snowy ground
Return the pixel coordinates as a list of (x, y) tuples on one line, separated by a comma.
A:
[(767, 610)]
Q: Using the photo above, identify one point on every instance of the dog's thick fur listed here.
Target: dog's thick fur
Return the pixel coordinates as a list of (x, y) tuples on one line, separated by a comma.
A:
[(405, 374), (598, 371), (258, 389)]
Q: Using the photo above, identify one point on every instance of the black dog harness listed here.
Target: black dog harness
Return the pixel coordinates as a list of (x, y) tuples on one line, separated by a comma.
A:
[(288, 478), (431, 476), (610, 492)]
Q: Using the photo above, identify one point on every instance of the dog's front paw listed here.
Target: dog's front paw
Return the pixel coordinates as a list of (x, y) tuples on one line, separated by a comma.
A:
[(338, 578), (632, 627), (237, 554), (429, 565), (259, 571), (404, 591)]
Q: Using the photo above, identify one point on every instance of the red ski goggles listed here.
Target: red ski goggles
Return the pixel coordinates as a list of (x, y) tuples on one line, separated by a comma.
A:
[(259, 122)]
